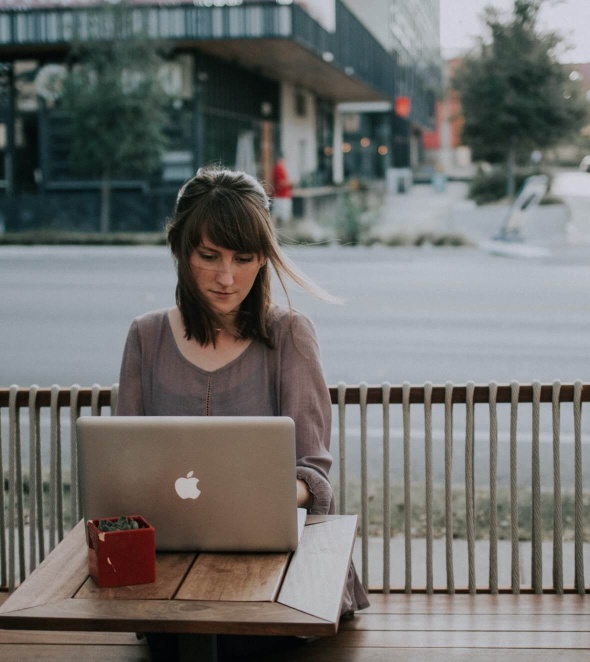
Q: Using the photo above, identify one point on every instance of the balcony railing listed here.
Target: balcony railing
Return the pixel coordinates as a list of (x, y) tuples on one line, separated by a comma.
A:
[(42, 502)]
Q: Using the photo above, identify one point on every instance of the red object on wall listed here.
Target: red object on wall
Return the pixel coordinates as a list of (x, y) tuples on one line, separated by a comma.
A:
[(448, 110), (122, 558), (431, 139), (403, 106)]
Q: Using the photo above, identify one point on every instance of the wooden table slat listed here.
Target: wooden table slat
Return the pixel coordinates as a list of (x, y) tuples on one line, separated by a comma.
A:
[(460, 639), (318, 570), (313, 653), (318, 519), (505, 604), (171, 569), (469, 622), (59, 576), (73, 653), (235, 577), (57, 638), (268, 618)]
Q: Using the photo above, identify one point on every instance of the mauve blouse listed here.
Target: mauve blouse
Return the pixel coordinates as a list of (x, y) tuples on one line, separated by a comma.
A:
[(158, 380)]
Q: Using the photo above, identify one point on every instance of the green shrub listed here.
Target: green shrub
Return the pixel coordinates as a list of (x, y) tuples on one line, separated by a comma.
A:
[(348, 225)]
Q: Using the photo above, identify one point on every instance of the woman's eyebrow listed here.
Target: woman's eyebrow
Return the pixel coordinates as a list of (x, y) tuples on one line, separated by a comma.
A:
[(205, 247), (212, 249)]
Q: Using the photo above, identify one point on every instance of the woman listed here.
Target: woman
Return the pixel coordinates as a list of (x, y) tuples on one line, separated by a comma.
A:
[(225, 349)]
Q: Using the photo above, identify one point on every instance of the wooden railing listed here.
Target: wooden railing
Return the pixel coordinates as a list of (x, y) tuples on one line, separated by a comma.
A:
[(40, 502)]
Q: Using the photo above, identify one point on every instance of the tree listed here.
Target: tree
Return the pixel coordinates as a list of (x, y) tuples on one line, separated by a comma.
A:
[(115, 103), (515, 95)]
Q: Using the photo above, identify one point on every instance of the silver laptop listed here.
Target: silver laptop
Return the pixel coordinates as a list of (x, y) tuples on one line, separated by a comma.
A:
[(205, 483)]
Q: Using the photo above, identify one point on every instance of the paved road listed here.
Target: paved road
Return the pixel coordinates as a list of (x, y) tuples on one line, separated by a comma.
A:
[(409, 314)]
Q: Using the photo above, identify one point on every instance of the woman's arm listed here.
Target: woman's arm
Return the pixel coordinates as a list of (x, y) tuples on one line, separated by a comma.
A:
[(130, 401), (304, 396), (304, 498)]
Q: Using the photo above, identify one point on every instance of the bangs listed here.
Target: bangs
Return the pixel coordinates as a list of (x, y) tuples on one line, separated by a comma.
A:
[(228, 221)]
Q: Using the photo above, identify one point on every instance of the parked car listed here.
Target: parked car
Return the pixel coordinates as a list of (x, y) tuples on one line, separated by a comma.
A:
[(585, 164)]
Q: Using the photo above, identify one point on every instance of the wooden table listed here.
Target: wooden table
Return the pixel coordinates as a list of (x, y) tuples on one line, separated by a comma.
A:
[(196, 595)]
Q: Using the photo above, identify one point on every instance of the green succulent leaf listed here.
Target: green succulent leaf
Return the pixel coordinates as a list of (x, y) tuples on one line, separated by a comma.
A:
[(122, 524)]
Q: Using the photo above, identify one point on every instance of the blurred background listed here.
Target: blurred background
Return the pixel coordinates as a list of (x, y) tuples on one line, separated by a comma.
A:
[(106, 108), (408, 132)]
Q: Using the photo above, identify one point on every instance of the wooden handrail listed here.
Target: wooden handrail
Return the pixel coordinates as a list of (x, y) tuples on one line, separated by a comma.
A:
[(374, 395)]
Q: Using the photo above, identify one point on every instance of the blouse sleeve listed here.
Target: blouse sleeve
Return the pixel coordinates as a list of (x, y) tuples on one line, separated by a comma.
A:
[(304, 396), (130, 401)]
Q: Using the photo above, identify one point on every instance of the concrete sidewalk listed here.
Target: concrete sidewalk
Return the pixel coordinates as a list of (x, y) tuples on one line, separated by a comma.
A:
[(422, 211), (425, 214)]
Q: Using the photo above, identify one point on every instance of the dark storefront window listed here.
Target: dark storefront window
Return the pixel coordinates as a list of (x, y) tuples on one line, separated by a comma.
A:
[(4, 119), (367, 144), (232, 141), (26, 128), (238, 107), (325, 141)]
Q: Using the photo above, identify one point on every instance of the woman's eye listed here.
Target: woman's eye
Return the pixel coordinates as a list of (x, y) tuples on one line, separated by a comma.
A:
[(245, 259), (207, 257)]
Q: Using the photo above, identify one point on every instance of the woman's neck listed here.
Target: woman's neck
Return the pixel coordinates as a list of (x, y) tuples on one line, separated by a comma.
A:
[(208, 357), (228, 328)]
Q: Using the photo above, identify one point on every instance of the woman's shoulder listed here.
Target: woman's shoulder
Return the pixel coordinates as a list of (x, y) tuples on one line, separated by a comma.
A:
[(285, 322), (282, 317), (151, 321)]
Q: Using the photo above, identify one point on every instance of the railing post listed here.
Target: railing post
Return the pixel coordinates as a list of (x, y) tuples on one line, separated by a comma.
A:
[(15, 493), (75, 506), (493, 574), (34, 474), (557, 507), (428, 484), (536, 532), (386, 391), (407, 486), (514, 393), (114, 399), (469, 485), (55, 480), (578, 491), (449, 486), (342, 444), (364, 485), (94, 400)]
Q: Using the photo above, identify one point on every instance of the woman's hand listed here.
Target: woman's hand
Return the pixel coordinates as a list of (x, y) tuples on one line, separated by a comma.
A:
[(303, 494)]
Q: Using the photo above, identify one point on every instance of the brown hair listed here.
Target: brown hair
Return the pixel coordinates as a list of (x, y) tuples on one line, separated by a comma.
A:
[(232, 209)]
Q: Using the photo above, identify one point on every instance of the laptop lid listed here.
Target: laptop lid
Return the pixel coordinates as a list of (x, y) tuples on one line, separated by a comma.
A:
[(205, 483)]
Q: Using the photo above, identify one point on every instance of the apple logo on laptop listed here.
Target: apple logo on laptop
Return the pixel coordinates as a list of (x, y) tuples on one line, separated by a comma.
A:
[(186, 488)]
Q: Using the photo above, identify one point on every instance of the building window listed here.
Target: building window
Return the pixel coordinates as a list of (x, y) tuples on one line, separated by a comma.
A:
[(300, 103)]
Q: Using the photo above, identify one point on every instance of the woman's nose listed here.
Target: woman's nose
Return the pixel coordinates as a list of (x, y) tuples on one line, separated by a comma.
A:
[(225, 275)]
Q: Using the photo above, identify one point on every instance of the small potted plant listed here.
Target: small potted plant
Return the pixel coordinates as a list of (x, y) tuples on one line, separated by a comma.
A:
[(121, 551)]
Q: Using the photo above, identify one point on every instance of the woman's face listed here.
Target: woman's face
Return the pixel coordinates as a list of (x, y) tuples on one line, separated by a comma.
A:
[(224, 277)]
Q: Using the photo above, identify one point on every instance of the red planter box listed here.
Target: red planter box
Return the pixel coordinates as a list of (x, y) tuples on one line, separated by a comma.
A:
[(122, 558)]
